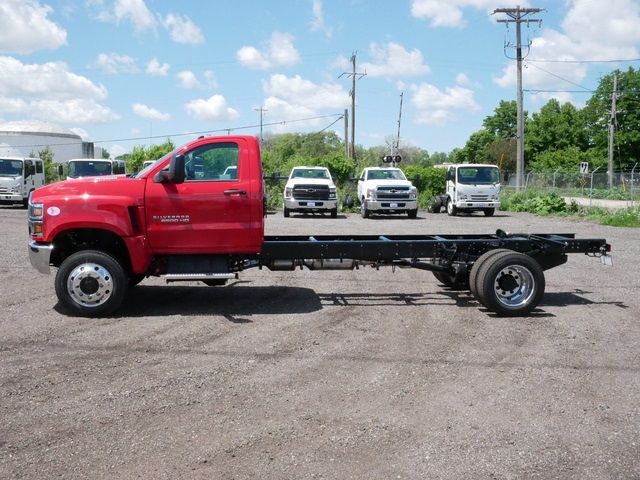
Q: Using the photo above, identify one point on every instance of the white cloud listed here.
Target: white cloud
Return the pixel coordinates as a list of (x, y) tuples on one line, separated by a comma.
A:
[(114, 63), (145, 111), (25, 28), (210, 79), (279, 51), (157, 69), (436, 107), (49, 91), (116, 150), (294, 98), (136, 12), (183, 30), (211, 109), (318, 23), (448, 13), (188, 79), (47, 80), (582, 35), (81, 132), (393, 60)]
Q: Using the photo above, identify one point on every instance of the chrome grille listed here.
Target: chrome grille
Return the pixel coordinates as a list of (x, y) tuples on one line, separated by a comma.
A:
[(311, 192)]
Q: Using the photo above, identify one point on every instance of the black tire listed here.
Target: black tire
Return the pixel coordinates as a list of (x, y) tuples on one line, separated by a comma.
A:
[(435, 204), (412, 213), (91, 283), (482, 261), (286, 212), (334, 212), (450, 281), (511, 284), (364, 211), (452, 211), (488, 212)]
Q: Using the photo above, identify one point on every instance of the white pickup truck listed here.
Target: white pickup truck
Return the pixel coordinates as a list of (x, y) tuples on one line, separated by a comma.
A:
[(310, 190), (386, 190)]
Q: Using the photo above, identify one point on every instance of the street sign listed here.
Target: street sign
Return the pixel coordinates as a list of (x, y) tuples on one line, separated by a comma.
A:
[(584, 167)]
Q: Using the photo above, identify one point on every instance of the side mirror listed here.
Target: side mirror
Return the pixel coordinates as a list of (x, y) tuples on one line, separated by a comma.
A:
[(175, 172), (60, 170)]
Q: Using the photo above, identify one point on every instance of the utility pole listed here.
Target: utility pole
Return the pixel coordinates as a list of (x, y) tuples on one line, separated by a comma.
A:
[(517, 15), (399, 119), (261, 110), (346, 132), (354, 76), (612, 128)]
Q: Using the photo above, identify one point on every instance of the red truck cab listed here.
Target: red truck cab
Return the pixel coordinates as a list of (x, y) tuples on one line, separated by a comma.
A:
[(179, 209)]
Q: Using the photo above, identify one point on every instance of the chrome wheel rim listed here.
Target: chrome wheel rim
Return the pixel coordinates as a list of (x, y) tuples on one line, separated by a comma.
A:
[(90, 285), (514, 286)]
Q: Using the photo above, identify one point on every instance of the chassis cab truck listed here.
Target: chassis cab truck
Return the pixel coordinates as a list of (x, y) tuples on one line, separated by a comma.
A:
[(18, 178), (184, 219), (472, 187)]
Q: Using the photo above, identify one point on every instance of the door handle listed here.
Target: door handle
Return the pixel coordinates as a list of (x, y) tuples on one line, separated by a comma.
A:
[(235, 192)]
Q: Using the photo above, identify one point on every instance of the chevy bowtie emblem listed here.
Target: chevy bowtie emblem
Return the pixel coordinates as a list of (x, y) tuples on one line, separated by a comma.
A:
[(311, 190)]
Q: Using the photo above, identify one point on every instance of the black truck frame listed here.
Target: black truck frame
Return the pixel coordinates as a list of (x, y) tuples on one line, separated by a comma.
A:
[(503, 271)]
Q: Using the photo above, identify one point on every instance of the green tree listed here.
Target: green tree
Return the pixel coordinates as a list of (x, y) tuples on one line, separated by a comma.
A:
[(50, 168), (597, 116)]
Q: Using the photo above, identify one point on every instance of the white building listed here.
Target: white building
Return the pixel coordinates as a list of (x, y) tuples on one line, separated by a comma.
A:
[(27, 138)]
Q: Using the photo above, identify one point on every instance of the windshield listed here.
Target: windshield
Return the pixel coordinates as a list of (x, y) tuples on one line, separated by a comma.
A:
[(386, 174), (310, 173), (11, 168), (93, 168), (478, 175)]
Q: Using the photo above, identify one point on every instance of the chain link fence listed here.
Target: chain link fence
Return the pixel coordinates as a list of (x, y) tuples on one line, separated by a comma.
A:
[(624, 186)]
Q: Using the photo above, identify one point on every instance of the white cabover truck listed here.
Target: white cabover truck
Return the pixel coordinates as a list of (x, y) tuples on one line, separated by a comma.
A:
[(310, 190), (18, 178), (386, 190), (472, 187)]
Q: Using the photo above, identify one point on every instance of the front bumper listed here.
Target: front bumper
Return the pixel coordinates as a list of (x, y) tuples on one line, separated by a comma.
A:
[(309, 205), (467, 205), (39, 255), (11, 197), (392, 205)]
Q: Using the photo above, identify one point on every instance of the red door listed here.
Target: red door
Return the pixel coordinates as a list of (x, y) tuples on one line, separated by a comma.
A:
[(217, 209)]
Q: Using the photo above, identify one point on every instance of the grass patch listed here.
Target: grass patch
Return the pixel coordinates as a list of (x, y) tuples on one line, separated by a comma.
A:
[(544, 203)]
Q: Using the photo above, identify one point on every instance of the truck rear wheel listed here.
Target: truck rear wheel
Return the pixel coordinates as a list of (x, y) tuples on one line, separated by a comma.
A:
[(510, 284), (91, 283), (451, 208), (482, 261)]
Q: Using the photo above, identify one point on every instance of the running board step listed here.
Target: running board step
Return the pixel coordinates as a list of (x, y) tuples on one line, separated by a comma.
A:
[(198, 277)]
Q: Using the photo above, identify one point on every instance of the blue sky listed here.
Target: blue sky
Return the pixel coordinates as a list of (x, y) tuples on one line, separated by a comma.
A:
[(121, 72)]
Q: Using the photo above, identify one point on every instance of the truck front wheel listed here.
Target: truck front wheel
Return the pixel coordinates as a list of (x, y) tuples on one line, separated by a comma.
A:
[(510, 284), (488, 212), (451, 208), (364, 211), (412, 213), (91, 283)]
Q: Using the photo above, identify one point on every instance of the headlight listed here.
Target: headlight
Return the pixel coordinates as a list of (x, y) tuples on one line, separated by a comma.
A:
[(36, 213), (287, 192), (332, 193), (413, 193), (371, 194)]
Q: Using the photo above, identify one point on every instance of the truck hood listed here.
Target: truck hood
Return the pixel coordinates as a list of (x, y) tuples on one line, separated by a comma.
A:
[(125, 189)]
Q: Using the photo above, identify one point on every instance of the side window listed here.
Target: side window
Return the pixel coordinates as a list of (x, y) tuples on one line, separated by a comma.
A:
[(215, 162), (118, 167), (38, 166)]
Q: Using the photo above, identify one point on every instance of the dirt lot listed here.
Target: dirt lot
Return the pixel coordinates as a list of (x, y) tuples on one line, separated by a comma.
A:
[(332, 375)]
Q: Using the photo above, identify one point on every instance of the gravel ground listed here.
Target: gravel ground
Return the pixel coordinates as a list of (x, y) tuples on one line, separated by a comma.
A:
[(327, 375)]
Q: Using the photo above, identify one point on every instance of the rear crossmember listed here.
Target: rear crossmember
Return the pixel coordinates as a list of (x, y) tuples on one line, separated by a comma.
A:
[(503, 271)]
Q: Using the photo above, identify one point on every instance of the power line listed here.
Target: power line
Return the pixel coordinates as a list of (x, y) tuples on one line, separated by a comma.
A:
[(619, 60), (559, 77), (202, 132)]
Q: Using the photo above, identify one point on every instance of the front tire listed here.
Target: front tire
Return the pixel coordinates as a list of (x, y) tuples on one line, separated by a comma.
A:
[(286, 212), (364, 211), (334, 212), (91, 283), (452, 211), (488, 212), (412, 213)]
